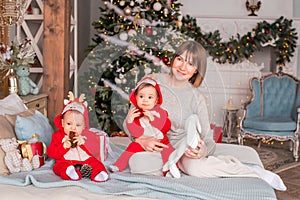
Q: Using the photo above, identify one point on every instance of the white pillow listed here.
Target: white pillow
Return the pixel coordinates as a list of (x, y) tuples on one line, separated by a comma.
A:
[(12, 104), (25, 127)]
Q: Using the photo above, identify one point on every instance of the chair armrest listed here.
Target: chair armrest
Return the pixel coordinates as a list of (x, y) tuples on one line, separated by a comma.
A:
[(244, 105)]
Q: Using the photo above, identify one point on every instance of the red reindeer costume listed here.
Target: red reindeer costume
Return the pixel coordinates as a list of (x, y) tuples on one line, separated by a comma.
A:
[(157, 128), (77, 156)]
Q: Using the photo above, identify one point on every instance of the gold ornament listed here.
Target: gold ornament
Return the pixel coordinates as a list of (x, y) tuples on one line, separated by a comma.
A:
[(136, 20), (179, 24)]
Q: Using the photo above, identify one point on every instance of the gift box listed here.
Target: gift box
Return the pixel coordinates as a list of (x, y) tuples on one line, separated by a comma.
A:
[(30, 150), (218, 133), (96, 142)]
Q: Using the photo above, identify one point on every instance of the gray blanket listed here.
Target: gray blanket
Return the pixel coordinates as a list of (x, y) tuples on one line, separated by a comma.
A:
[(124, 183)]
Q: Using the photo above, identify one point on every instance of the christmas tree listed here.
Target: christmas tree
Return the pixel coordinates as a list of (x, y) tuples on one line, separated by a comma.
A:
[(136, 38)]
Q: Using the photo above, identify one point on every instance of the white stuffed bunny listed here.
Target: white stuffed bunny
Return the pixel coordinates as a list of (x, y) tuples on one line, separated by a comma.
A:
[(13, 159)]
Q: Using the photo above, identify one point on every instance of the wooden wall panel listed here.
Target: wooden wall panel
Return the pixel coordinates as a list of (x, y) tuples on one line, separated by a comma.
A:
[(4, 34), (56, 53)]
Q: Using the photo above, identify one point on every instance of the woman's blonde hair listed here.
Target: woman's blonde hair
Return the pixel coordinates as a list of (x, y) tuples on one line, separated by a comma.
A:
[(197, 55)]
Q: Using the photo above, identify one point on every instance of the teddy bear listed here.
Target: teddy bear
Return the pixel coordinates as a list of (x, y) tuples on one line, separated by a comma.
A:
[(27, 86), (13, 159)]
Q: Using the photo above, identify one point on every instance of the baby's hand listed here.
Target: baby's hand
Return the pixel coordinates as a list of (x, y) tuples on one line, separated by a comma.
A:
[(67, 144), (132, 114), (79, 140), (148, 114)]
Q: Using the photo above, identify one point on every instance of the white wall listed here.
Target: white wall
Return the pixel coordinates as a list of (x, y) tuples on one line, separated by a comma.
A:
[(237, 8)]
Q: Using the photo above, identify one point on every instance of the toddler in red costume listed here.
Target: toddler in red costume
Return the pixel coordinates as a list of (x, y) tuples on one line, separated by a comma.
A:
[(145, 118), (73, 160)]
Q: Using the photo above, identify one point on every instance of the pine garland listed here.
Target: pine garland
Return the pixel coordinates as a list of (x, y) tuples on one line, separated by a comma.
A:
[(279, 34)]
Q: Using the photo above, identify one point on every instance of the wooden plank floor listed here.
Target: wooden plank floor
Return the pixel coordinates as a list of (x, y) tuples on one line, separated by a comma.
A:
[(291, 178)]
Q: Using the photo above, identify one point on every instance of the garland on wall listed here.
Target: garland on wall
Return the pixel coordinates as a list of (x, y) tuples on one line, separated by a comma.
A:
[(279, 34), (135, 38)]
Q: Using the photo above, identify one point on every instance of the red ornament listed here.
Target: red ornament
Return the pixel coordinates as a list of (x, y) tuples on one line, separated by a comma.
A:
[(267, 32), (165, 60), (149, 31), (252, 39)]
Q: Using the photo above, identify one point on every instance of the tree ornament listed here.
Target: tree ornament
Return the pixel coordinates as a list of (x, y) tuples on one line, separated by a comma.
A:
[(136, 20), (179, 24), (117, 80), (131, 3), (166, 11), (127, 11), (149, 31), (124, 80), (123, 36), (165, 59), (122, 3), (157, 6), (135, 71)]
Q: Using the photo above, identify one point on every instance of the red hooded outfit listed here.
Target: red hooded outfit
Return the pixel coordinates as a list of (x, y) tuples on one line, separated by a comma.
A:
[(141, 126), (77, 156)]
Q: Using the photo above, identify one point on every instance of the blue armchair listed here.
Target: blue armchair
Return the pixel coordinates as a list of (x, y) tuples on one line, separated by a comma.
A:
[(273, 113)]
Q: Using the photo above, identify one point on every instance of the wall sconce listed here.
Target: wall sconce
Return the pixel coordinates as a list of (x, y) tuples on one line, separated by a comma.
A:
[(253, 6), (12, 11)]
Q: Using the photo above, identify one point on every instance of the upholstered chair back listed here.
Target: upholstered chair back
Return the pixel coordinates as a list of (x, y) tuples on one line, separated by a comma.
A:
[(279, 94)]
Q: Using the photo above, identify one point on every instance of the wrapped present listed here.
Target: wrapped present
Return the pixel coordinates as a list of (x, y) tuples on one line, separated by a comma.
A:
[(218, 133), (97, 143), (33, 147)]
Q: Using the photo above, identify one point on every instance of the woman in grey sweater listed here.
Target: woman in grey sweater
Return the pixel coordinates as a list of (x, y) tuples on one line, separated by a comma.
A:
[(188, 113)]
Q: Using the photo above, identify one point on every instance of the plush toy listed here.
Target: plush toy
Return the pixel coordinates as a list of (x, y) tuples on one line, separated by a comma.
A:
[(13, 159), (27, 86)]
